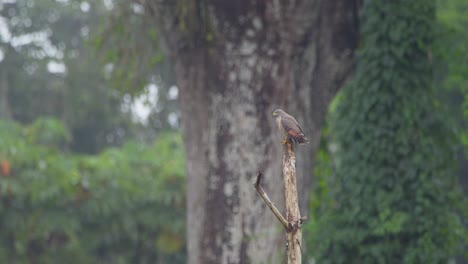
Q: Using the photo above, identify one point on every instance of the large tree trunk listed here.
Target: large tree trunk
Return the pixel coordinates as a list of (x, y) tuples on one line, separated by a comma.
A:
[(235, 62)]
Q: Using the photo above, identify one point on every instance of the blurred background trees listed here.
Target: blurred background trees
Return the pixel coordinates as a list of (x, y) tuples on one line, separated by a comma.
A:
[(124, 205), (82, 179), (92, 161), (50, 71)]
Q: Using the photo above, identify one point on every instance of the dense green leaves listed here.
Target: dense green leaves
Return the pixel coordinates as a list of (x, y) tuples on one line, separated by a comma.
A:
[(393, 194), (451, 65), (123, 206)]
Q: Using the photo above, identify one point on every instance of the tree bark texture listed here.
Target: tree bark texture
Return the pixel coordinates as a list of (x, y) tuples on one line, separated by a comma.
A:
[(235, 62), (293, 214)]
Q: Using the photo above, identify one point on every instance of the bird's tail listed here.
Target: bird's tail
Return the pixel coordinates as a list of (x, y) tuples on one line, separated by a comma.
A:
[(301, 139)]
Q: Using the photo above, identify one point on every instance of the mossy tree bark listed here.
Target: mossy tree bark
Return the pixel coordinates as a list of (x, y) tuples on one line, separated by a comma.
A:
[(235, 62)]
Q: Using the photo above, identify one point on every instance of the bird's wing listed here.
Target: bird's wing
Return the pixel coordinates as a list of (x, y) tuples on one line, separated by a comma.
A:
[(294, 130), (297, 124)]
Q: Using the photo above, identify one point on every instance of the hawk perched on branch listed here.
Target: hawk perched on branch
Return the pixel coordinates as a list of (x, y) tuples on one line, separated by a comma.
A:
[(290, 128)]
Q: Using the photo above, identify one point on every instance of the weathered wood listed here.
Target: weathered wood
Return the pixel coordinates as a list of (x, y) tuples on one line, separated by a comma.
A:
[(293, 221), (267, 200), (293, 215)]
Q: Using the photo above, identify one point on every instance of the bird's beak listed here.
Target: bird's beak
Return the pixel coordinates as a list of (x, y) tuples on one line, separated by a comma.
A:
[(275, 114)]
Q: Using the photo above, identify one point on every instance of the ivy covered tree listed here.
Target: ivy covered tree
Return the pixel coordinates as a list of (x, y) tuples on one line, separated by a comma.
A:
[(451, 62), (393, 194)]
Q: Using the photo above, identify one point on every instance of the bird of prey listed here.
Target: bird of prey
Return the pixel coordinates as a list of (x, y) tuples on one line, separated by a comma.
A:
[(289, 127)]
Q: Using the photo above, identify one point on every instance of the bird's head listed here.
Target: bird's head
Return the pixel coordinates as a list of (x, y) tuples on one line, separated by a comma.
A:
[(277, 112)]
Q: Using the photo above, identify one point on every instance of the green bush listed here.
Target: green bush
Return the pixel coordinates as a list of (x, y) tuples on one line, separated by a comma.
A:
[(125, 205)]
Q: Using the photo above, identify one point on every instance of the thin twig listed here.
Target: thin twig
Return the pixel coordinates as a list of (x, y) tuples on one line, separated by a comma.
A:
[(267, 200)]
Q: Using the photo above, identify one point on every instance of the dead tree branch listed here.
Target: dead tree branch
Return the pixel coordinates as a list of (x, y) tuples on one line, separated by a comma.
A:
[(293, 215), (268, 201), (293, 221)]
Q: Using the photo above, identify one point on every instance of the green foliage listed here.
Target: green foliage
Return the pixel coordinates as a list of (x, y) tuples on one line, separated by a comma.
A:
[(129, 42), (123, 206), (451, 57), (48, 131), (451, 49), (393, 196)]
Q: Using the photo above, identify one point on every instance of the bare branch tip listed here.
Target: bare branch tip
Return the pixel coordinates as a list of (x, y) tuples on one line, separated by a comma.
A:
[(259, 179)]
